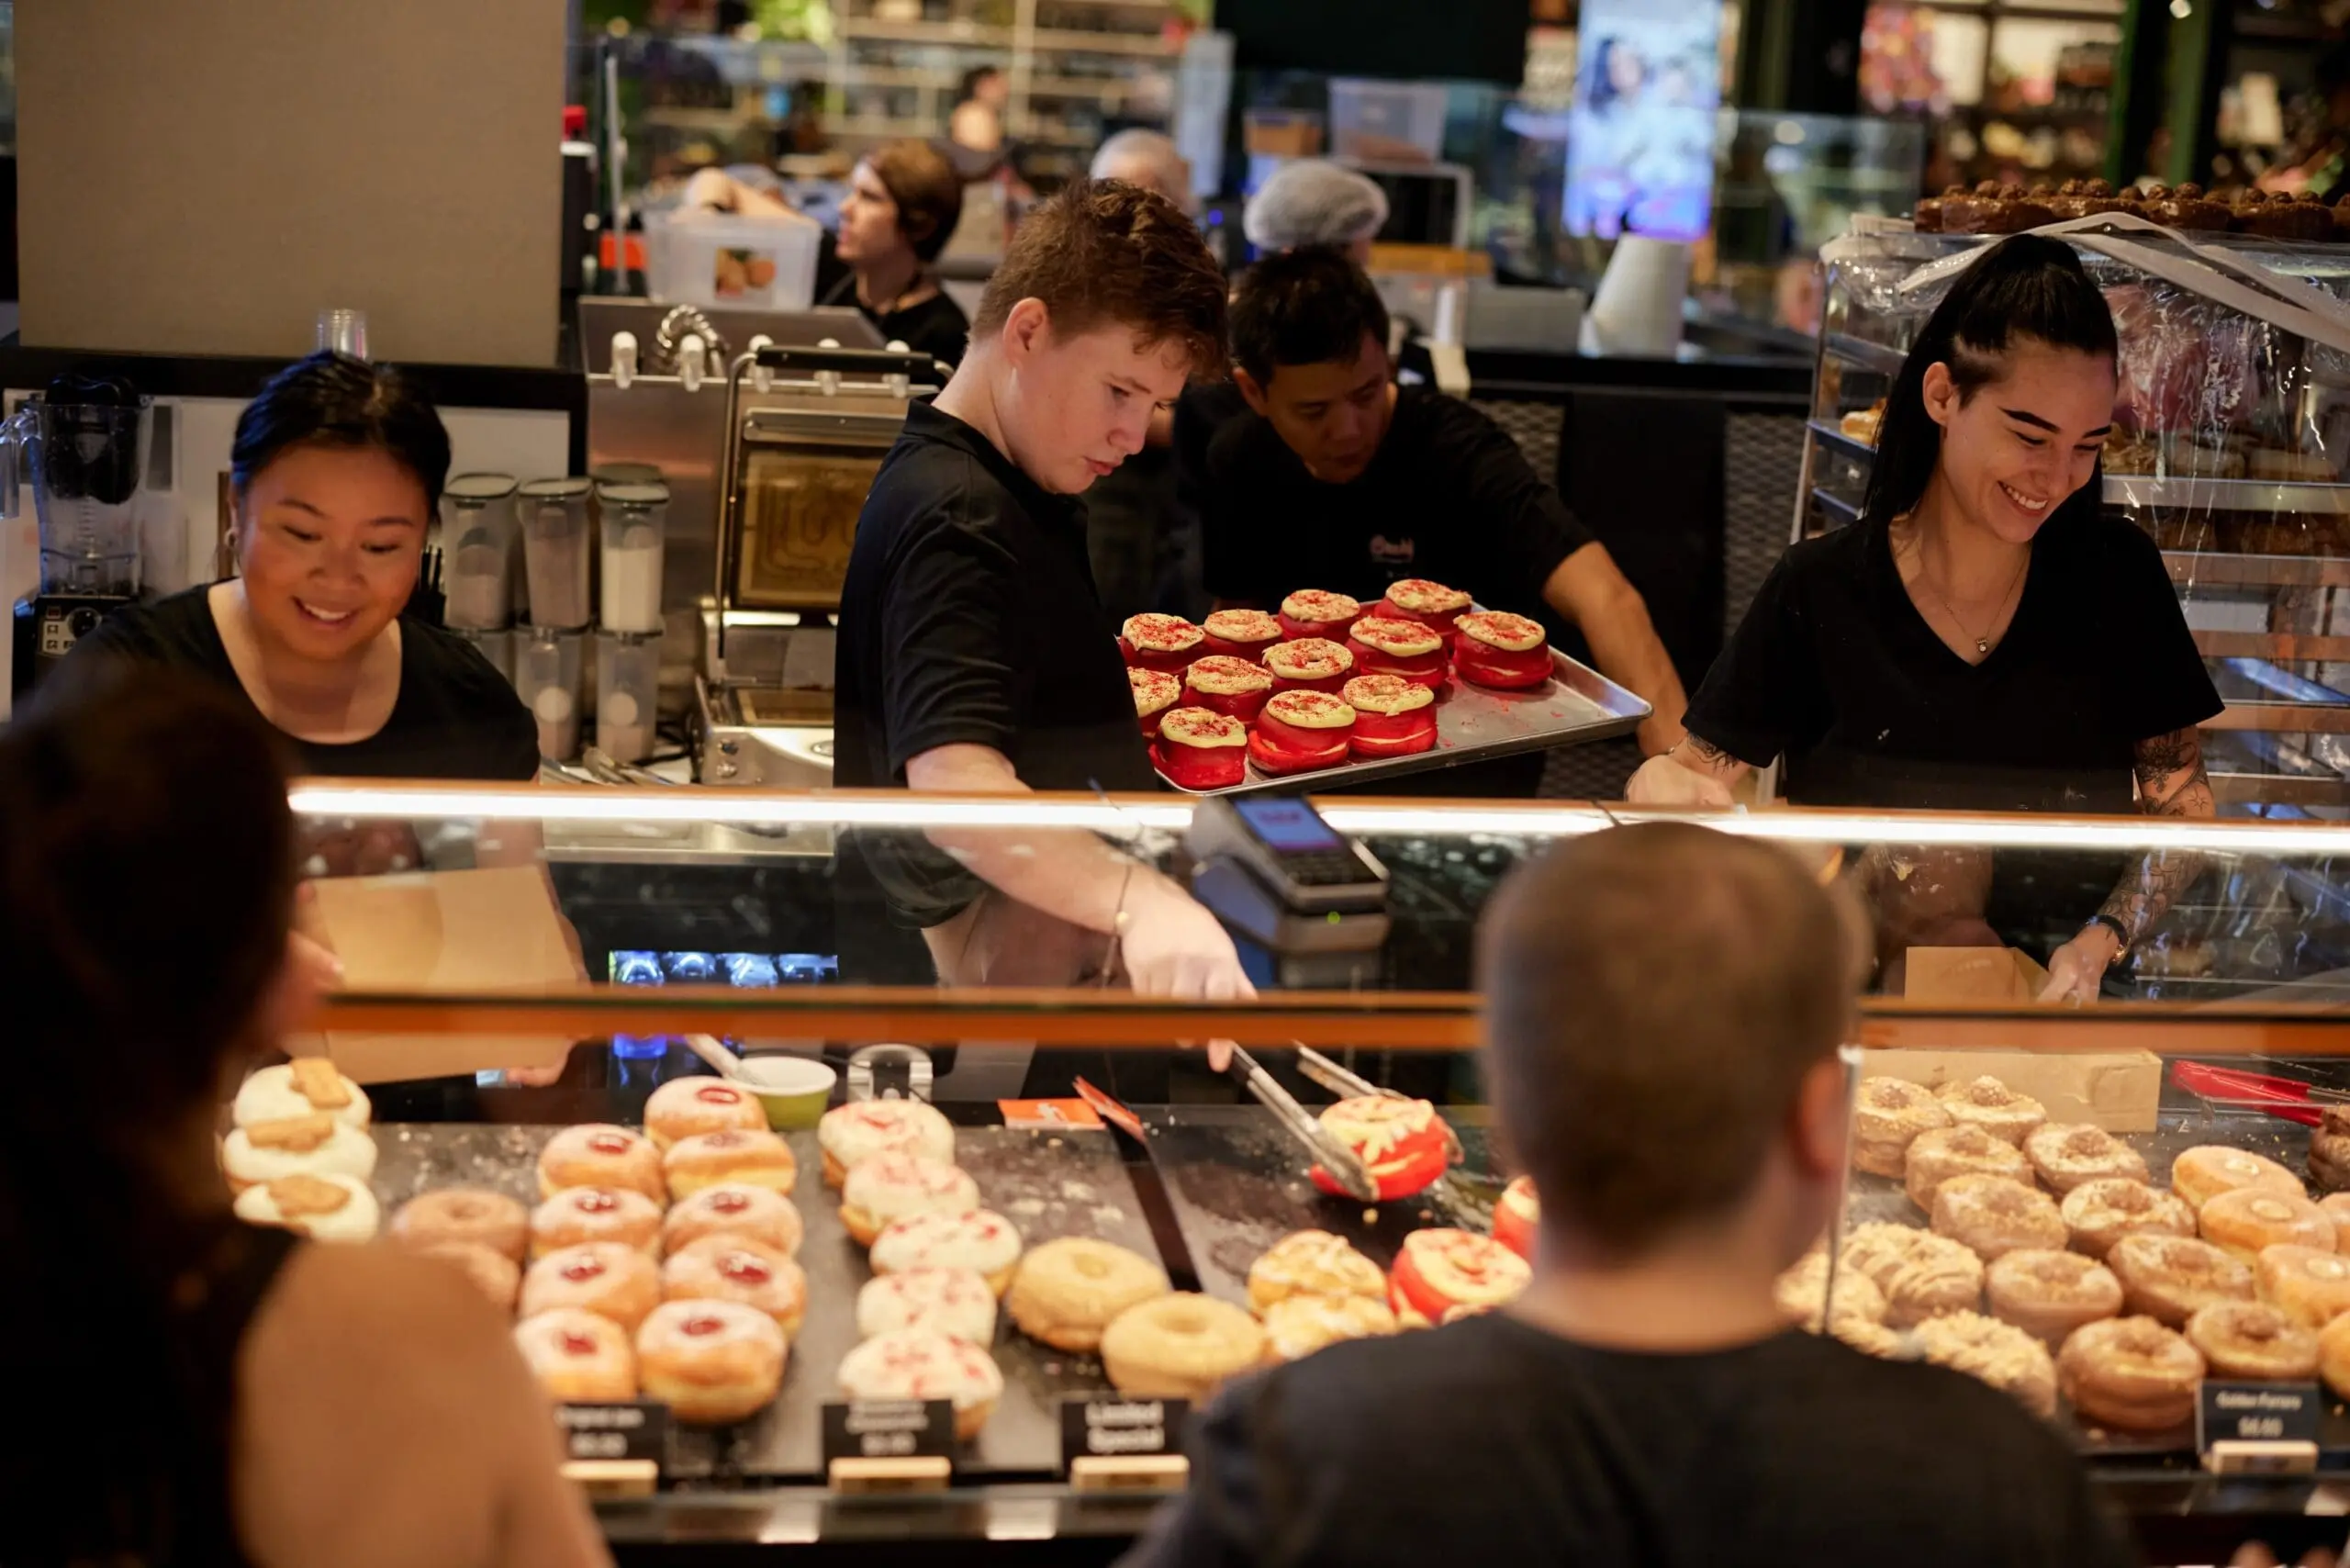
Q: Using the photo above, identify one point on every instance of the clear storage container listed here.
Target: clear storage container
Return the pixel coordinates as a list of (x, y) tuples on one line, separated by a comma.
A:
[(1387, 122), (634, 519), (546, 677), (477, 550), (712, 258), (555, 546), (628, 693), (498, 647)]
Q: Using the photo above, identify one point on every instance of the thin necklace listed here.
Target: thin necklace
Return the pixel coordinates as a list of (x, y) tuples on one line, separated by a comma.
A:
[(1982, 643)]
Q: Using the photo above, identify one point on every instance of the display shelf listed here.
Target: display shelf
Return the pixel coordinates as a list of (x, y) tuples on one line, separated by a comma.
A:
[(2287, 648), (2220, 568), (2233, 789), (1832, 436), (926, 32), (2227, 495), (1861, 352), (1836, 506), (1068, 41)]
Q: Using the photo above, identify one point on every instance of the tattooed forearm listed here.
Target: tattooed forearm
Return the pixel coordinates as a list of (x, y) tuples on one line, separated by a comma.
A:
[(2172, 782), (1696, 751)]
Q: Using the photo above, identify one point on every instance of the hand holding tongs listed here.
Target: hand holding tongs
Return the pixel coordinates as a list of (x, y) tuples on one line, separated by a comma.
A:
[(1344, 1166), (1343, 1082), (2289, 1098)]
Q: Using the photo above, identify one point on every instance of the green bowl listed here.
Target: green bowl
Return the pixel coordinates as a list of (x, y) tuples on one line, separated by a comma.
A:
[(793, 1091)]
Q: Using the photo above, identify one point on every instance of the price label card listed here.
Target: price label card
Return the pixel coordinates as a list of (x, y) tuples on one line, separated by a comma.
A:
[(1106, 1425), (2257, 1413), (637, 1429), (888, 1428)]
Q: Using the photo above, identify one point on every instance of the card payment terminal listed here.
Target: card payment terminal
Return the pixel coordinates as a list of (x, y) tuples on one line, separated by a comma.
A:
[(1310, 900)]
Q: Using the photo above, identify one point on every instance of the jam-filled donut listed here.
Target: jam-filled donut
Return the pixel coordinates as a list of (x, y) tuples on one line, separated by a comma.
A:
[(1518, 1217), (1065, 1292), (735, 1268), (852, 1133), (578, 1215), (1403, 1144), (451, 1215), (1441, 1269), (734, 1208), (893, 1186), (578, 1356), (688, 1107), (608, 1278), (1181, 1346), (712, 1361), (1313, 1263), (921, 1364), (597, 1154), (755, 1157), (2130, 1373), (955, 1302), (980, 1240)]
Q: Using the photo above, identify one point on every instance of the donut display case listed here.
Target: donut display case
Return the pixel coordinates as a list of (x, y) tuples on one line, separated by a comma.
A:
[(2091, 1208)]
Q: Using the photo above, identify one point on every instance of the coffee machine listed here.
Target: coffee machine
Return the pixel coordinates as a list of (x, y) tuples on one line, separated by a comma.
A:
[(84, 441)]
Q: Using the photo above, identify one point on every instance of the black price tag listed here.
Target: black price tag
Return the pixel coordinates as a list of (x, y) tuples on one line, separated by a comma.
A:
[(1107, 1426), (888, 1428), (637, 1429), (2257, 1413)]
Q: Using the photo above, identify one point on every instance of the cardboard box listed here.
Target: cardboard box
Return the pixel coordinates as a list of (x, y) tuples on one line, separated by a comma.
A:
[(2119, 1090), (443, 933), (1971, 974)]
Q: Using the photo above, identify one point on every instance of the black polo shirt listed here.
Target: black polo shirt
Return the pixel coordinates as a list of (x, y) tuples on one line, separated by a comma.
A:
[(970, 616), (1834, 667), (1448, 497)]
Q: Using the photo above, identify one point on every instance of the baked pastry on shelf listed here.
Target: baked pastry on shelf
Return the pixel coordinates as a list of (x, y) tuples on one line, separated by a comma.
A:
[(1985, 1102), (712, 1361), (2087, 198), (2131, 1373), (1313, 1263), (2329, 1149), (2101, 1211), (1998, 1353), (1179, 1346), (2171, 1278), (2050, 1293), (2185, 206), (2281, 215), (2253, 1340)]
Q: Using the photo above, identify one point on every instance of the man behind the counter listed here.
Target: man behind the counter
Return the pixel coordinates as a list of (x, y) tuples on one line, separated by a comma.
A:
[(973, 653), (1344, 481)]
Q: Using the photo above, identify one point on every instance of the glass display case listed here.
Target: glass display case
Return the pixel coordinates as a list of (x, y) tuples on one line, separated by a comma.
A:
[(618, 941), (2228, 448)]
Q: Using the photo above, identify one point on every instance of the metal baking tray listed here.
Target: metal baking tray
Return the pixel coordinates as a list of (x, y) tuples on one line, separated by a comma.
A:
[(1068, 1181), (1473, 724), (1237, 1184)]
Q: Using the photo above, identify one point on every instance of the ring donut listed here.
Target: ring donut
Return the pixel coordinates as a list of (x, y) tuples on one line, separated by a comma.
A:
[(1181, 1346), (1065, 1292), (1440, 1269)]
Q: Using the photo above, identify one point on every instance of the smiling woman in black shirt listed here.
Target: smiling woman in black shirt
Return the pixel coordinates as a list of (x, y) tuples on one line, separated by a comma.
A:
[(1984, 637)]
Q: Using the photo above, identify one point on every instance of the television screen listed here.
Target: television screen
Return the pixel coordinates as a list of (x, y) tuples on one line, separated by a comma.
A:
[(1641, 139)]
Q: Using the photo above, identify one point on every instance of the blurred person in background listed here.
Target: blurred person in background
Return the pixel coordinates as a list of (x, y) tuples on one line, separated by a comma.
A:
[(903, 202), (975, 124), (1148, 159), (1311, 201), (210, 1391)]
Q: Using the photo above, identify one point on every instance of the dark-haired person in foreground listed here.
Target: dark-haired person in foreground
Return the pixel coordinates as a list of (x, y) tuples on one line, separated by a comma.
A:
[(1985, 638), (1343, 481), (335, 473), (1643, 1403), (210, 1391), (974, 653)]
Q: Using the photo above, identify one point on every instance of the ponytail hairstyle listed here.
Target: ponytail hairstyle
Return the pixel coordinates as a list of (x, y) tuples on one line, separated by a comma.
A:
[(2024, 288), (146, 888)]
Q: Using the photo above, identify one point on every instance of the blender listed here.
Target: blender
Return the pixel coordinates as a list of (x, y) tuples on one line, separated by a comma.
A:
[(85, 440)]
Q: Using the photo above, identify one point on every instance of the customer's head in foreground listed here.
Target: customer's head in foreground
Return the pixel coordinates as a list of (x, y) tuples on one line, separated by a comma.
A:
[(1149, 158), (2004, 403), (903, 202), (1106, 303), (146, 883), (336, 469), (1664, 1005), (1311, 201), (1309, 348)]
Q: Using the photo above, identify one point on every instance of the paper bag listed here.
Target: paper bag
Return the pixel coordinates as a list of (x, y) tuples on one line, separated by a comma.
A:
[(1973, 974)]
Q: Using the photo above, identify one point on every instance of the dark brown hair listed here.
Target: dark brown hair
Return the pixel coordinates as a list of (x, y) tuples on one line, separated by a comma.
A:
[(1103, 251), (1653, 997), (146, 884), (928, 192)]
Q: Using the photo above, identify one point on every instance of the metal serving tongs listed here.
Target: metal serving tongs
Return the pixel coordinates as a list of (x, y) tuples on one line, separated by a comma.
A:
[(1344, 1166), (1344, 1081)]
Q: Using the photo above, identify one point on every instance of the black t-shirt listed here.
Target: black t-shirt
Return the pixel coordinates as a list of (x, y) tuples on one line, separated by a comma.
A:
[(455, 717), (937, 326), (1492, 1441), (1448, 497), (969, 616), (1835, 666)]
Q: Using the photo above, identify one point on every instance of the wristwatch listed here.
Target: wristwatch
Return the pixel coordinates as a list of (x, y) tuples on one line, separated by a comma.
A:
[(2120, 936)]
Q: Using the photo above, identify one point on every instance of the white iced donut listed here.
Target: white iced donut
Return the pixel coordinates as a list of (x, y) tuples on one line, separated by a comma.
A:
[(892, 1186), (298, 1089), (920, 1363), (853, 1134), (322, 1207), (313, 1145), (981, 1240), (954, 1302)]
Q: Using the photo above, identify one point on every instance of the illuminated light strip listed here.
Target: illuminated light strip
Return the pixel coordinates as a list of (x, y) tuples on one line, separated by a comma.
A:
[(748, 808)]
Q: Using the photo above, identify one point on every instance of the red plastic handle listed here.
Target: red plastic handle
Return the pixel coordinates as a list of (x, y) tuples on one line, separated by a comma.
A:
[(2284, 1097)]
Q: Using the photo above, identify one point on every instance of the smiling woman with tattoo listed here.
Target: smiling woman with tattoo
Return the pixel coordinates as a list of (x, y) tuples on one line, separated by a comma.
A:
[(1985, 638)]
